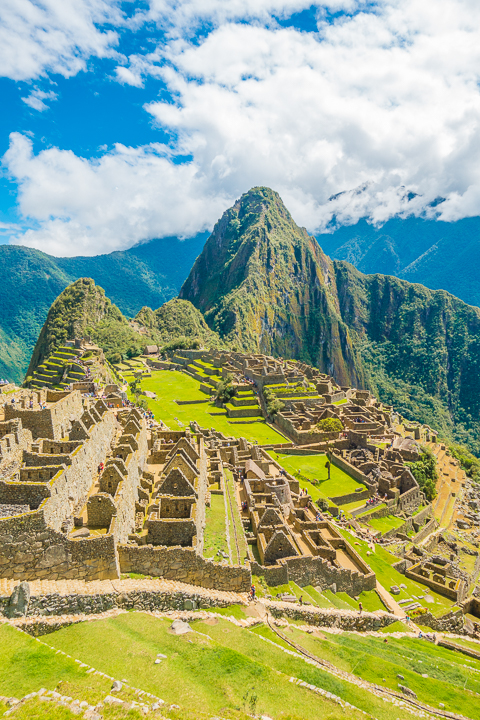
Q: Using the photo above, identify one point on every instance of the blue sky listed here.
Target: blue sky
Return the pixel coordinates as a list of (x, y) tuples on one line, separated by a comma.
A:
[(122, 122)]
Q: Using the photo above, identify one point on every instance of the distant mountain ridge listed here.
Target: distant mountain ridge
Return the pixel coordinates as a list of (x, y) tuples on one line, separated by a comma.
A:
[(439, 255), (30, 281)]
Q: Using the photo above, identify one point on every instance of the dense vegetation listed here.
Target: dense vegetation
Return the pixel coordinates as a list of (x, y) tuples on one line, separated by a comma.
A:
[(436, 254), (31, 280), (425, 473), (330, 425), (177, 321), (82, 310), (272, 402)]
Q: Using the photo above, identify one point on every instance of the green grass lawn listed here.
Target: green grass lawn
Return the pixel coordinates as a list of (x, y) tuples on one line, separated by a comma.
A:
[(313, 467), (214, 536), (171, 385), (377, 661), (210, 670), (386, 523)]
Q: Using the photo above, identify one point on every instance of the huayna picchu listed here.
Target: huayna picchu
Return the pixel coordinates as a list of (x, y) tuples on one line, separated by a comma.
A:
[(264, 461)]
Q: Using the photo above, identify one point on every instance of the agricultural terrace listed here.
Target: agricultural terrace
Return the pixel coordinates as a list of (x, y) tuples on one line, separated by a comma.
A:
[(313, 468), (172, 385), (222, 668), (381, 561)]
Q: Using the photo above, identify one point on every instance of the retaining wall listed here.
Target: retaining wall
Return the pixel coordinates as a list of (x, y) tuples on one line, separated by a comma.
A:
[(184, 565)]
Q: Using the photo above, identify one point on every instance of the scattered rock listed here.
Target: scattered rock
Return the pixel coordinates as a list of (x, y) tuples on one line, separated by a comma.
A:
[(403, 586), (179, 627), (110, 700), (158, 704), (80, 533), (406, 691), (117, 686), (19, 601), (441, 705), (400, 677), (395, 590), (161, 655), (157, 661)]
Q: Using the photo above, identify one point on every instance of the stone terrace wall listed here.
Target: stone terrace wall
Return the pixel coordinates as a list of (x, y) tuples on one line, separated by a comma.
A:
[(316, 571), (30, 550), (184, 565), (351, 470), (343, 619), (71, 487), (53, 422)]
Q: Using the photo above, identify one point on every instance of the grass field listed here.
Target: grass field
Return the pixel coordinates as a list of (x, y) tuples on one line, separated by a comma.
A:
[(448, 681), (313, 467), (387, 523), (172, 385), (215, 538), (223, 669), (216, 669)]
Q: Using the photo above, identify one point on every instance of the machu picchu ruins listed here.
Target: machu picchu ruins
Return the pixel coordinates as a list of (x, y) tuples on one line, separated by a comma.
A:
[(95, 487)]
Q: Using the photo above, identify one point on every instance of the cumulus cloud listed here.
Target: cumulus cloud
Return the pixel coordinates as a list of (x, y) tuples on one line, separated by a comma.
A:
[(36, 98), (37, 37), (375, 114), (128, 195)]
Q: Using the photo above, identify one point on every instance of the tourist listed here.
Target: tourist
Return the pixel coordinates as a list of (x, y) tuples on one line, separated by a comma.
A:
[(360, 608), (252, 592)]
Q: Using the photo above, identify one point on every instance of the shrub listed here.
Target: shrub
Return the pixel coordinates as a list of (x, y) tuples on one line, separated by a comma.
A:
[(425, 473), (330, 424), (225, 389)]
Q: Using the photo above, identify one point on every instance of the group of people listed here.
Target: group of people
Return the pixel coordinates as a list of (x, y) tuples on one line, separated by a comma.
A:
[(376, 499)]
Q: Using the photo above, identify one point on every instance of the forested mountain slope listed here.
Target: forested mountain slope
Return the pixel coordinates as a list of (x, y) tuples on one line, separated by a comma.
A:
[(30, 281), (265, 283)]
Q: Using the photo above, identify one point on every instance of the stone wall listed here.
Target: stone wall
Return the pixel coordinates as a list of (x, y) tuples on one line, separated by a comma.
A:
[(351, 497), (184, 565), (30, 550), (344, 620), (71, 487), (350, 470), (53, 422), (316, 571)]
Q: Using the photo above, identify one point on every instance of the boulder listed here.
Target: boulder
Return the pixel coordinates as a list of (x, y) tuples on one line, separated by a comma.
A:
[(19, 601), (395, 590), (117, 686), (179, 627), (80, 533), (406, 691)]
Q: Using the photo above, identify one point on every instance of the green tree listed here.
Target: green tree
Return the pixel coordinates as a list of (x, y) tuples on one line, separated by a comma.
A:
[(226, 389), (425, 473), (330, 424)]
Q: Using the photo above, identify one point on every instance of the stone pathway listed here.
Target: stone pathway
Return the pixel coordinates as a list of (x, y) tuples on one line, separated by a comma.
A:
[(107, 587)]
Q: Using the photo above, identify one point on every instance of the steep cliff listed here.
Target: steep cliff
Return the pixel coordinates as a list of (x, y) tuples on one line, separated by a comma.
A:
[(80, 310), (264, 283)]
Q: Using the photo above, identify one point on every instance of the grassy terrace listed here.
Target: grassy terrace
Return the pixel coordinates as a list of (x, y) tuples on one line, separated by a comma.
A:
[(381, 562), (390, 522), (209, 671), (215, 538), (313, 467), (217, 669), (170, 386)]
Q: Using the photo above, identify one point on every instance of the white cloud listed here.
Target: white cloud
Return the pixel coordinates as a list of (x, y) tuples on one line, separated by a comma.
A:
[(36, 98), (57, 36), (88, 207), (370, 109)]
